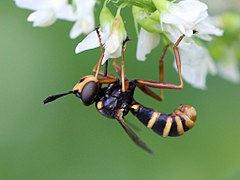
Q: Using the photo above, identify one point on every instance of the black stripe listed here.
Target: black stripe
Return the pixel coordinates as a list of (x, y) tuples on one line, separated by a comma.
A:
[(144, 114), (173, 130), (184, 124), (160, 124)]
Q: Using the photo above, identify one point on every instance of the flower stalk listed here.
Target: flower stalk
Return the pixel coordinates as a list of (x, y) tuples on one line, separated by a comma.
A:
[(145, 4)]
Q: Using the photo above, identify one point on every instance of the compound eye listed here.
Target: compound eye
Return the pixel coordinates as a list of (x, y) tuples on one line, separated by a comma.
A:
[(89, 92)]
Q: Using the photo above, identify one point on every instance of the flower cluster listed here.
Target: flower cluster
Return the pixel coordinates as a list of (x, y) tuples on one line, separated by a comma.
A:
[(154, 20), (112, 31), (171, 20), (46, 12), (226, 50)]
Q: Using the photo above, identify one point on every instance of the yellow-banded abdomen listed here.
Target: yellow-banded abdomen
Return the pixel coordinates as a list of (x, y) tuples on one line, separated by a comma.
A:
[(174, 124)]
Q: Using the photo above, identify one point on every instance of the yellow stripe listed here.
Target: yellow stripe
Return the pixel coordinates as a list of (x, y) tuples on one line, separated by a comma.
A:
[(177, 112), (135, 107), (179, 125), (188, 122), (99, 105), (86, 79), (167, 127), (153, 119)]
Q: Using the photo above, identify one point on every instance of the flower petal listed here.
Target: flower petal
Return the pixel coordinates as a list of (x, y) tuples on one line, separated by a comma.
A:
[(76, 29), (113, 43), (33, 4), (82, 25), (42, 18), (196, 64), (228, 68), (205, 29), (188, 10), (63, 10), (184, 15), (85, 18), (66, 13), (105, 58), (146, 42), (173, 34), (89, 42), (116, 54)]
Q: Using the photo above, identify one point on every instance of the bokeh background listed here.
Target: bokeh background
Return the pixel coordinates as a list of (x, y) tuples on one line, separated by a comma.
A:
[(66, 140)]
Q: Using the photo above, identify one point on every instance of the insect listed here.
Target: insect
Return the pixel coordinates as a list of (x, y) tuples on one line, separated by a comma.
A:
[(116, 100)]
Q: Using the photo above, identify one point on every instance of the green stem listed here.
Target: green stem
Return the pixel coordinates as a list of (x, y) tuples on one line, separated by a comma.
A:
[(146, 4)]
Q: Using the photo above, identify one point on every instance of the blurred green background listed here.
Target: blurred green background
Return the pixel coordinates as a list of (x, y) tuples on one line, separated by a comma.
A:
[(66, 140)]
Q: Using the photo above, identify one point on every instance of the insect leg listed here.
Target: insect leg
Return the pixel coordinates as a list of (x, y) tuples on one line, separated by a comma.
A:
[(123, 75), (101, 73), (121, 70), (161, 69), (102, 53), (116, 67), (148, 91), (107, 80), (164, 85)]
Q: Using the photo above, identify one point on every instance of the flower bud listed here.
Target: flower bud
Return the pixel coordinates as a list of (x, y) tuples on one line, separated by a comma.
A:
[(106, 19), (149, 21)]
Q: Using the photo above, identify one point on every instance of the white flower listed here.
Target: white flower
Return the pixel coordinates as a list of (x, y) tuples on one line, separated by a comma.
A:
[(42, 18), (84, 15), (175, 19), (186, 17), (146, 42), (196, 64), (113, 45), (149, 35), (205, 29), (32, 4), (91, 41), (46, 12), (112, 33), (228, 66)]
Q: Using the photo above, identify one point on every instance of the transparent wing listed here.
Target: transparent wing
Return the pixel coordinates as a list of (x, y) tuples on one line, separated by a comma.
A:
[(131, 133)]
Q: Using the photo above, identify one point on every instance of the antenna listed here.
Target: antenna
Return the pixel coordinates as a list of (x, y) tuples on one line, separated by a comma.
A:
[(54, 97)]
